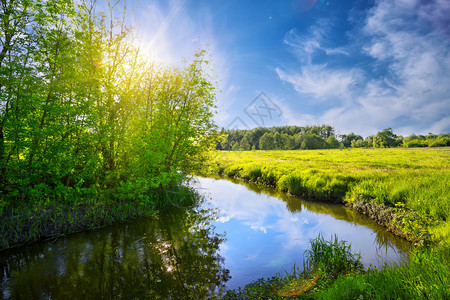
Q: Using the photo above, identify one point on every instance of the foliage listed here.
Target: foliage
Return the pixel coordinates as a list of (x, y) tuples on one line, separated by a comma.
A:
[(320, 137), (84, 115), (385, 138), (332, 142), (349, 139), (278, 138)]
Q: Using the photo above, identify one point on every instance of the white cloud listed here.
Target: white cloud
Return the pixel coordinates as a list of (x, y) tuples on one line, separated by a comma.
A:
[(322, 82), (304, 46), (414, 93)]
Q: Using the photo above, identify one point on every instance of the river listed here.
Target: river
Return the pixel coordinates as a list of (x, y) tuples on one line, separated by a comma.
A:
[(238, 233)]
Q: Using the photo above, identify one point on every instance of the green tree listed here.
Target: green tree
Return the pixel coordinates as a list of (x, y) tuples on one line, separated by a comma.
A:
[(81, 111), (347, 139), (277, 141), (245, 145), (385, 138), (266, 142), (313, 141), (332, 142), (287, 142)]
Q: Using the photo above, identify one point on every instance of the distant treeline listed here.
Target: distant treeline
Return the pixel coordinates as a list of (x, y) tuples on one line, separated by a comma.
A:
[(320, 137)]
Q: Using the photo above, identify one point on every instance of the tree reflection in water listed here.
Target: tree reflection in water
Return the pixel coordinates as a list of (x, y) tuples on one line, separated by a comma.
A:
[(173, 256)]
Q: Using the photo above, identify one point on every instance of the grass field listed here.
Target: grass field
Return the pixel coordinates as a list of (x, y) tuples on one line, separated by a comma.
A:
[(405, 190)]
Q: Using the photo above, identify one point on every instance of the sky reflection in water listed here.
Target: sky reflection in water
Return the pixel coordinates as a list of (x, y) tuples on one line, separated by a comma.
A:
[(265, 234)]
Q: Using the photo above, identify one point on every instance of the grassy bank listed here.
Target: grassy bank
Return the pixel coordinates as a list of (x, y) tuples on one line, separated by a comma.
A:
[(37, 220), (333, 271), (405, 190)]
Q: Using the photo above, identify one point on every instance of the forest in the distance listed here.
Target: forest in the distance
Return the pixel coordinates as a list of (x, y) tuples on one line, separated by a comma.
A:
[(319, 137)]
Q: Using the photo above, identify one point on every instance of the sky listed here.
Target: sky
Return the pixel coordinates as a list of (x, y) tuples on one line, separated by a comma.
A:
[(360, 66)]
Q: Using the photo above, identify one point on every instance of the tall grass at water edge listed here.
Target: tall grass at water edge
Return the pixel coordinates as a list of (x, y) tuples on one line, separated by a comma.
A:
[(332, 271), (407, 189)]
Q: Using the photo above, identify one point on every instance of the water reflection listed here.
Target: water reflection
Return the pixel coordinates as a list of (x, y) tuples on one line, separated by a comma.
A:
[(183, 254), (174, 256), (384, 240), (266, 234)]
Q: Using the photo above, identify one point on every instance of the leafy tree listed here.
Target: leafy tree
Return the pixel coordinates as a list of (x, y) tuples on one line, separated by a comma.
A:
[(82, 111), (369, 140), (347, 139), (313, 141), (245, 145), (266, 142), (359, 144), (277, 141), (385, 138), (287, 142), (332, 142)]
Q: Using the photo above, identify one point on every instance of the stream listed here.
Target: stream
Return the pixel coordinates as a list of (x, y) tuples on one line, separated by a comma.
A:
[(238, 233)]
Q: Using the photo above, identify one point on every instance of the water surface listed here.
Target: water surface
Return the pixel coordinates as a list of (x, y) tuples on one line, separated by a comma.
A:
[(238, 234), (267, 232)]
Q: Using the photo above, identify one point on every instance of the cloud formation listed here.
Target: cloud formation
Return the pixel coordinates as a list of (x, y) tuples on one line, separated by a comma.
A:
[(404, 81)]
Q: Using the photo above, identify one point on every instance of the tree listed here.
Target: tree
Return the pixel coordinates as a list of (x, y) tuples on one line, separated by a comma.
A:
[(332, 142), (81, 110), (245, 145), (277, 141), (287, 141), (359, 144), (347, 139), (313, 141), (266, 142), (385, 138)]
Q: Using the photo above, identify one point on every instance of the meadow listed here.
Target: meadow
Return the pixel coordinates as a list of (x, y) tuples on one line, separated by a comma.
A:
[(403, 189)]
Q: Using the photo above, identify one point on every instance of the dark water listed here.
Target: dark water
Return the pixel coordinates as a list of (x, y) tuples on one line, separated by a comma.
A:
[(238, 234)]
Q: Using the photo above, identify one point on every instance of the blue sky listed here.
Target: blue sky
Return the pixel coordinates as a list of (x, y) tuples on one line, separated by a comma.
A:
[(360, 66)]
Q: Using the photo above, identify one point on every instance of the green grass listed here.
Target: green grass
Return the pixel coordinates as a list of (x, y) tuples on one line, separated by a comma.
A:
[(426, 276), (406, 189), (332, 271)]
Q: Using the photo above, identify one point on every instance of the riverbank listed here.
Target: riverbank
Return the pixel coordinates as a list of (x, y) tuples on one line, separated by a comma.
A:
[(44, 220), (405, 190), (424, 276)]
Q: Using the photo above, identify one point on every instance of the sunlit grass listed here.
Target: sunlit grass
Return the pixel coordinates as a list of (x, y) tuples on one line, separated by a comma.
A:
[(406, 190), (425, 276), (333, 271), (410, 185)]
